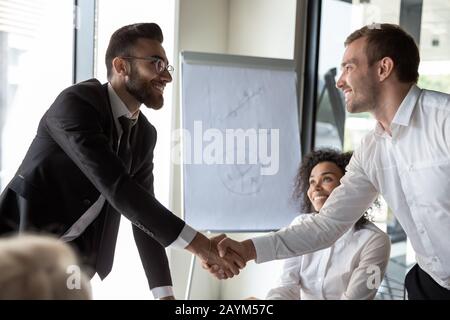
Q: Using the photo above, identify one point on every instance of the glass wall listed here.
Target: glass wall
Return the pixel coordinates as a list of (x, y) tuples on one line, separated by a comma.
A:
[(428, 21), (36, 54)]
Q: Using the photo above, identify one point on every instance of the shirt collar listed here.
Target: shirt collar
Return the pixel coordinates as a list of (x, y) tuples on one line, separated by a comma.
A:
[(119, 108), (404, 113)]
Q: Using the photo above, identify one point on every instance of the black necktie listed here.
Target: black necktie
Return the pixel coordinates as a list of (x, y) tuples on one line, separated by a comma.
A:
[(108, 240), (124, 152)]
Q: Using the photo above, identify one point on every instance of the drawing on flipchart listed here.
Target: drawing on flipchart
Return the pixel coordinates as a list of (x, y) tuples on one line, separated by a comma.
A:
[(220, 196), (241, 179)]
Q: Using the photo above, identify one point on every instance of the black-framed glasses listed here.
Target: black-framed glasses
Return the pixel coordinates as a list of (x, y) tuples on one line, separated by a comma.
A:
[(160, 64)]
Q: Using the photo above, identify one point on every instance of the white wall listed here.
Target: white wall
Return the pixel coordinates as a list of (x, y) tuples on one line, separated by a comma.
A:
[(244, 27), (263, 28), (202, 26)]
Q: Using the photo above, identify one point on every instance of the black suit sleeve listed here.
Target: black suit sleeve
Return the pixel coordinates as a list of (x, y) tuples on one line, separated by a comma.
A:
[(153, 255), (75, 125), (154, 259)]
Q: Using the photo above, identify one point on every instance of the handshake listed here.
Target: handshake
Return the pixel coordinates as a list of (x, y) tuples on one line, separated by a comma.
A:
[(221, 256)]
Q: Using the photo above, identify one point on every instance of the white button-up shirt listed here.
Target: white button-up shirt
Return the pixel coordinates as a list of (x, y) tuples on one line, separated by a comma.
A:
[(346, 270), (411, 169)]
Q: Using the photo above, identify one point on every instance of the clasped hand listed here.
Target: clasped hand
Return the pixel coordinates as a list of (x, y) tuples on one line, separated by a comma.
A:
[(226, 257)]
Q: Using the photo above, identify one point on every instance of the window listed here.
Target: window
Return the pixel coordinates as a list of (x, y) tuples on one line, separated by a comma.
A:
[(36, 48)]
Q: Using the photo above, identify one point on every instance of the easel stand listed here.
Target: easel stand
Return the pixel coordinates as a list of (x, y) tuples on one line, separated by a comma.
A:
[(190, 277)]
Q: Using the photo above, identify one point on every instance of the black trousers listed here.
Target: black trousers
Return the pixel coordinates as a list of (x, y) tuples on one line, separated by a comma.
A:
[(420, 286)]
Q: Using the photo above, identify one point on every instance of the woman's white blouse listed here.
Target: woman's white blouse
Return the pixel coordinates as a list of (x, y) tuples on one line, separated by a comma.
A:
[(352, 268)]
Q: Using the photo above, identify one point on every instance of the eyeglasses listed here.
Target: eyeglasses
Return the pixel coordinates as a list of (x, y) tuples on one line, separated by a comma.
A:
[(160, 65)]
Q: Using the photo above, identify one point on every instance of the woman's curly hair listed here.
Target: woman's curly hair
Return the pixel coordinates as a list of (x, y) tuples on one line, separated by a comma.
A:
[(310, 160)]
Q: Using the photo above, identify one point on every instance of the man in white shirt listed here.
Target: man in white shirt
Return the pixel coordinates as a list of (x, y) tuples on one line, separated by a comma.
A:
[(406, 159)]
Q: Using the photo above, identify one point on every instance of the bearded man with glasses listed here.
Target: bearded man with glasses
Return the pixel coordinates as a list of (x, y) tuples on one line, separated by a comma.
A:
[(91, 162)]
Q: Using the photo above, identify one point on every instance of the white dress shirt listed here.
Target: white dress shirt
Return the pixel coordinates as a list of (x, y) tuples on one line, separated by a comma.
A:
[(411, 169), (187, 233), (342, 271)]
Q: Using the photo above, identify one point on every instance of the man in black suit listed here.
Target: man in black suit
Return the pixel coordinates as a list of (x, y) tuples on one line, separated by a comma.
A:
[(92, 161)]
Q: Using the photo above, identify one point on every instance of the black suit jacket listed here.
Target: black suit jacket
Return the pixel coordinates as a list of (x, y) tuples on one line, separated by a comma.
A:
[(71, 161)]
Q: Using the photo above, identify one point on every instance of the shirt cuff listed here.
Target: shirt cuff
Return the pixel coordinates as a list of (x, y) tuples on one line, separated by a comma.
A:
[(185, 238), (162, 292), (265, 250)]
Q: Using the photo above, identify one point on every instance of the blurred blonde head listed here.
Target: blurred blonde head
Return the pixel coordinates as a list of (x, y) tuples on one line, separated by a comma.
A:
[(40, 267)]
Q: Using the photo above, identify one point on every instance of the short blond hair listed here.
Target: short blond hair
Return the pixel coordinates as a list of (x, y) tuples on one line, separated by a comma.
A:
[(38, 267)]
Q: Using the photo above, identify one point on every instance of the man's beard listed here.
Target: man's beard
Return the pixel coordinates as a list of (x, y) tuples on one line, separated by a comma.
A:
[(141, 90), (366, 103)]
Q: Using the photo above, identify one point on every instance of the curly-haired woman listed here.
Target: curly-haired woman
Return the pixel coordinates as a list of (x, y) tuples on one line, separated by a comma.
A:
[(354, 265)]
